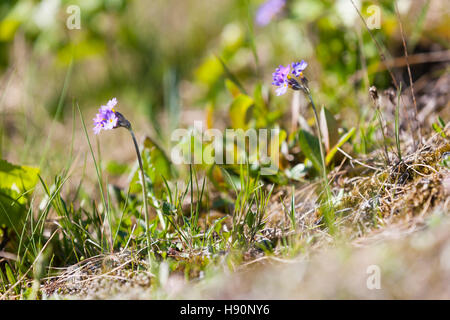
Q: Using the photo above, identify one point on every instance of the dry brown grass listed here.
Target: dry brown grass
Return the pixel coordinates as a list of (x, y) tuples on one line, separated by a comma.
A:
[(385, 214)]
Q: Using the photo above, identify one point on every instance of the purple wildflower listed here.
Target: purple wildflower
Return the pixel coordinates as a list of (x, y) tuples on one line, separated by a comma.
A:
[(280, 79), (298, 67), (268, 10), (280, 74), (283, 80), (106, 117)]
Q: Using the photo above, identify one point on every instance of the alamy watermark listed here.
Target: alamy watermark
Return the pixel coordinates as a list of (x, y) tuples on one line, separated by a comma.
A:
[(374, 18), (374, 279), (73, 21), (256, 147)]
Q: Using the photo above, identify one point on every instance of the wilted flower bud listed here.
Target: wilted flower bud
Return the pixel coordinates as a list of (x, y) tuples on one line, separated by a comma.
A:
[(122, 121)]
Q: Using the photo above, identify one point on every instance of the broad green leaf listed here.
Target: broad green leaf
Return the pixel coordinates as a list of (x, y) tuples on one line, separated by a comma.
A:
[(238, 111), (340, 143), (10, 275), (310, 147), (116, 168), (156, 166), (16, 182)]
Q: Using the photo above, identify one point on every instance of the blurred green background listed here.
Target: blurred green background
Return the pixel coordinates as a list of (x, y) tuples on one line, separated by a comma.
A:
[(172, 62), (164, 60)]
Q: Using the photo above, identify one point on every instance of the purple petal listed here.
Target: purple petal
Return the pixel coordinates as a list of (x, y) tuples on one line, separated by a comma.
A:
[(281, 90), (268, 10)]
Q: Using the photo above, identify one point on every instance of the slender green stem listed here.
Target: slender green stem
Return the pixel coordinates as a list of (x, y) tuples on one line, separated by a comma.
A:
[(322, 152), (144, 190), (328, 211)]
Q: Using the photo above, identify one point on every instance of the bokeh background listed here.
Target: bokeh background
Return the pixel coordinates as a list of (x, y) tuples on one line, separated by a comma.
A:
[(172, 62), (164, 61)]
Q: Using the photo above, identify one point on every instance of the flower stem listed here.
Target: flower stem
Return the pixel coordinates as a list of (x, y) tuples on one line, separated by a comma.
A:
[(144, 190), (322, 152), (328, 209)]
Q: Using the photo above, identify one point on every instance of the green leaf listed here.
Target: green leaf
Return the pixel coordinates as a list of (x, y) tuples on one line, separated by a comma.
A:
[(238, 111), (441, 122), (3, 281), (250, 218), (15, 185), (116, 168), (10, 275), (168, 209), (340, 143), (156, 166), (438, 129), (310, 147)]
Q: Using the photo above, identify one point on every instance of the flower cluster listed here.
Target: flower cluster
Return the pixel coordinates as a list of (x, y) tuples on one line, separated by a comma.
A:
[(268, 10), (282, 77), (106, 117)]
